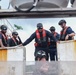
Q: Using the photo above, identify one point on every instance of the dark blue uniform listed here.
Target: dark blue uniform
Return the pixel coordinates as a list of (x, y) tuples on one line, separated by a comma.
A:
[(43, 45), (4, 39), (68, 31), (53, 48), (14, 42)]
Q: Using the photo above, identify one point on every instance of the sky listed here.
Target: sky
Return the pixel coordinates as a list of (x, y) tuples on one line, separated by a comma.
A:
[(29, 26)]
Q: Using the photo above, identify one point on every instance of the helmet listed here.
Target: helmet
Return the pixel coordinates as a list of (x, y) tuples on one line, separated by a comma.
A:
[(39, 26), (3, 27), (61, 22), (40, 54), (14, 33), (52, 28)]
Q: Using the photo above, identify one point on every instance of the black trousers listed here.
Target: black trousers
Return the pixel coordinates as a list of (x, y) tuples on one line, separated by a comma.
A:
[(53, 54), (43, 49)]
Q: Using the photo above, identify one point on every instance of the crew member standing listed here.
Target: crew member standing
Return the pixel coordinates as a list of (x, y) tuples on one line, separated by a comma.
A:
[(66, 33), (15, 40), (3, 37), (52, 47), (41, 39)]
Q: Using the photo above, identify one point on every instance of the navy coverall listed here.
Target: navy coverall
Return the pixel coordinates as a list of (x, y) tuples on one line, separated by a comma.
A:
[(53, 48), (43, 45), (11, 42), (68, 31), (4, 40)]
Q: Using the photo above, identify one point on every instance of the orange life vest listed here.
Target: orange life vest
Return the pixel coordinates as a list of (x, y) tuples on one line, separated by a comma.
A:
[(14, 41), (64, 31), (4, 37), (43, 33), (38, 35)]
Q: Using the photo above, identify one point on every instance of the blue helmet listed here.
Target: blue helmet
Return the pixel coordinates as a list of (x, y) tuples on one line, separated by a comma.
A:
[(52, 28), (61, 22), (3, 27), (40, 54), (39, 26), (14, 33)]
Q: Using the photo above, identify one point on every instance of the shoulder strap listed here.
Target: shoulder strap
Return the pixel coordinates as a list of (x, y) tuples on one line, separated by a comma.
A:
[(3, 35), (5, 38), (64, 31), (43, 33), (55, 34), (14, 41), (37, 34)]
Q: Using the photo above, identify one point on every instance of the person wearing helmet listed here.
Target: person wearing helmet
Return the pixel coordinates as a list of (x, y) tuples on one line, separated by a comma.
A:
[(40, 56), (42, 67), (41, 39), (3, 37), (52, 47), (66, 33), (15, 40)]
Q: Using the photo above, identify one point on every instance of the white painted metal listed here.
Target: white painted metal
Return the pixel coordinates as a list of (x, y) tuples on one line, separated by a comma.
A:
[(42, 4), (66, 51), (12, 64), (11, 68), (74, 4), (13, 54)]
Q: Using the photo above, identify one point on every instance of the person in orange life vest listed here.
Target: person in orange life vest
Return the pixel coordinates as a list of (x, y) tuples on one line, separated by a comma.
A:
[(41, 39), (66, 33), (52, 47), (3, 37), (15, 40)]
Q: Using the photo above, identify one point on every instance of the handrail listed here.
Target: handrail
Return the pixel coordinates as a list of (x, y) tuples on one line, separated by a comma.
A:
[(12, 47)]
